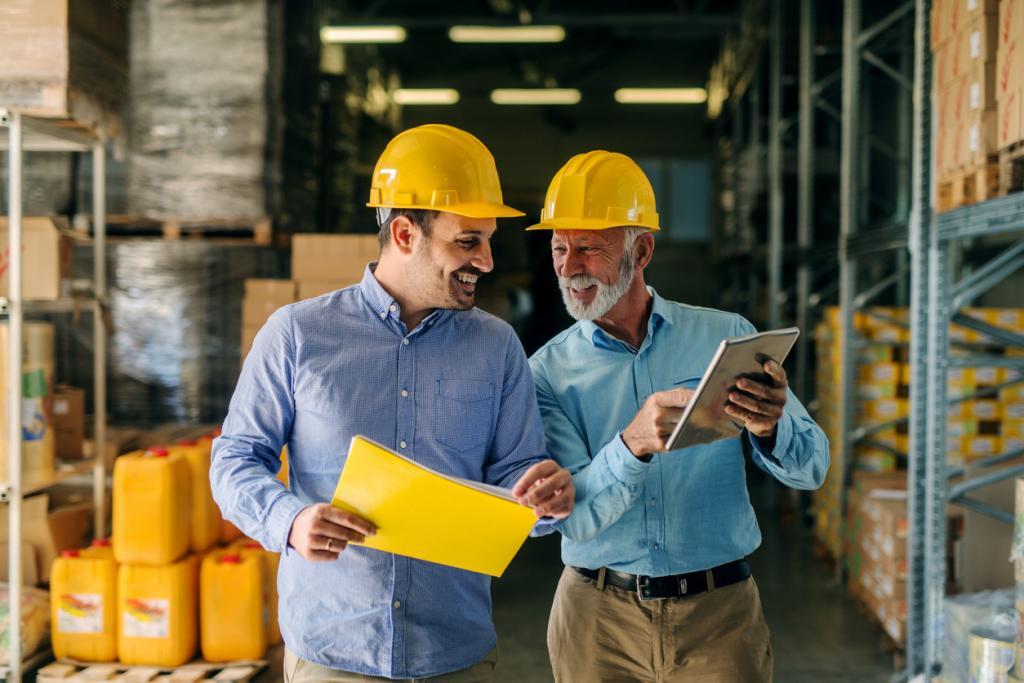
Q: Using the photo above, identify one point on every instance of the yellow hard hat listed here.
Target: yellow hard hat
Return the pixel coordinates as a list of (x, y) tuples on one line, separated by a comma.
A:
[(596, 191), (440, 168)]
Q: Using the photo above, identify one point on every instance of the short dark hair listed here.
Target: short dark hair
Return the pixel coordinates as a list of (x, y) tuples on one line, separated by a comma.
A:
[(424, 218)]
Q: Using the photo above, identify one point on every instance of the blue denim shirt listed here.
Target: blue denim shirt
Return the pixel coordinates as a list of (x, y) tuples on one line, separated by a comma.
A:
[(454, 394), (685, 510)]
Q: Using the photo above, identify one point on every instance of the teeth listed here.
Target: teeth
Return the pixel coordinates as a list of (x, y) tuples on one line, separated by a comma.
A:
[(468, 279)]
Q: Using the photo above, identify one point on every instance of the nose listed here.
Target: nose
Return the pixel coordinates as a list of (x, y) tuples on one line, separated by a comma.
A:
[(482, 259)]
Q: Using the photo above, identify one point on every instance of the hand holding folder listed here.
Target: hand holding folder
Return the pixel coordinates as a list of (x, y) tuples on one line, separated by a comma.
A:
[(431, 516)]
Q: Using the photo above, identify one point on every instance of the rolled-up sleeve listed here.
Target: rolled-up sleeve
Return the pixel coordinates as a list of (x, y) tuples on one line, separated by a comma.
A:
[(245, 458), (798, 455)]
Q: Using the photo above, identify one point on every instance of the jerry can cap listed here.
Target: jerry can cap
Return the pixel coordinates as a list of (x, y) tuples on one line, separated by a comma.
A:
[(230, 559), (70, 553), (100, 543), (158, 452)]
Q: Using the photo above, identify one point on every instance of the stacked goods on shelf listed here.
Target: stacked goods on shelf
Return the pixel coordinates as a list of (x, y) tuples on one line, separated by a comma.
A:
[(321, 263), (145, 599), (36, 379), (965, 37), (1017, 557), (988, 422), (883, 575), (1009, 91), (66, 60)]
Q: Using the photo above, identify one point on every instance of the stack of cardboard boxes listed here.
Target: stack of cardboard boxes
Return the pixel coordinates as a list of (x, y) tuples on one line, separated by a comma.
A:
[(990, 422), (965, 34), (320, 264), (1010, 74)]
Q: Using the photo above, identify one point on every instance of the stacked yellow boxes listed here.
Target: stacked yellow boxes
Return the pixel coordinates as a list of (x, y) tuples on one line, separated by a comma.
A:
[(964, 42), (989, 421)]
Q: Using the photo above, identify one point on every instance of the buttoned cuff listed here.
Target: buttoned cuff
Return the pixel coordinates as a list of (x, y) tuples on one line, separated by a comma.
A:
[(783, 437), (280, 518), (623, 465)]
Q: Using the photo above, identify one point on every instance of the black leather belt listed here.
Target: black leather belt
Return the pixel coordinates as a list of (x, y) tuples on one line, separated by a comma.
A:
[(674, 586)]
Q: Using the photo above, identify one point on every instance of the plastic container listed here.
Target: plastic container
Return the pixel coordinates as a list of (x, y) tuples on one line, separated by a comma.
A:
[(231, 607), (100, 547), (83, 606), (152, 507), (156, 615), (205, 513), (250, 548)]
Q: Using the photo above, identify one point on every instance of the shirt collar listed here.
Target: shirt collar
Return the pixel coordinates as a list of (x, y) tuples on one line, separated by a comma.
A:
[(660, 311)]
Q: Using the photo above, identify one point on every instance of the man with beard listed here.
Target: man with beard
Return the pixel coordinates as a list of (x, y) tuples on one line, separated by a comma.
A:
[(405, 359), (656, 586)]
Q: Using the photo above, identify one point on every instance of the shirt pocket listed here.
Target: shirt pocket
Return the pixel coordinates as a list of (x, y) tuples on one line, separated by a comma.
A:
[(462, 416)]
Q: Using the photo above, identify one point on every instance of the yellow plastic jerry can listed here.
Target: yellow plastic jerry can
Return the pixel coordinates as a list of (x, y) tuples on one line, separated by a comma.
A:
[(156, 614), (152, 507), (100, 547), (205, 513), (246, 548), (232, 625), (83, 606)]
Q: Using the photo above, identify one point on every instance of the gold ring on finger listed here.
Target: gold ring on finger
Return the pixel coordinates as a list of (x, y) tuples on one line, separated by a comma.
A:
[(329, 540)]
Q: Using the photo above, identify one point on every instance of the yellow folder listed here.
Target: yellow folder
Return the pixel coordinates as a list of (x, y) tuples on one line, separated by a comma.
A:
[(424, 514)]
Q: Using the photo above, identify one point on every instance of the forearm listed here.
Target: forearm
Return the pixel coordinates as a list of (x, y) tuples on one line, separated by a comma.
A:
[(799, 456), (606, 488), (249, 494)]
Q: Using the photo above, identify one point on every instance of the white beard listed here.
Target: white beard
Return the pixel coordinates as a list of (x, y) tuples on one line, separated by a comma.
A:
[(607, 295)]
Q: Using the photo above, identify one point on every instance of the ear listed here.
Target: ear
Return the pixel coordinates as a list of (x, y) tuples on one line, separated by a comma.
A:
[(403, 234), (643, 250)]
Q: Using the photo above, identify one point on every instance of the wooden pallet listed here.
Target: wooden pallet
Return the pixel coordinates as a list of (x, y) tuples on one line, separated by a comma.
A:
[(218, 229), (970, 186), (1011, 169), (68, 672)]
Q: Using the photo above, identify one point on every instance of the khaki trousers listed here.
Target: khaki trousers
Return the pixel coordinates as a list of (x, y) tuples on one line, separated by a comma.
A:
[(298, 670), (611, 635)]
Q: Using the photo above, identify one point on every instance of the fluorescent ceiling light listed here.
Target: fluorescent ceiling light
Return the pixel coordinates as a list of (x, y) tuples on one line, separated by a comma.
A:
[(535, 96), (407, 96), (362, 34), (506, 34), (661, 95)]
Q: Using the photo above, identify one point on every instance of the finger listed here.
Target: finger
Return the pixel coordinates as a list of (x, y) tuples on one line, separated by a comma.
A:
[(543, 492), (319, 542), (322, 556), (776, 371), (740, 413), (672, 398), (347, 519), (752, 386), (754, 405), (539, 471), (337, 533), (559, 506)]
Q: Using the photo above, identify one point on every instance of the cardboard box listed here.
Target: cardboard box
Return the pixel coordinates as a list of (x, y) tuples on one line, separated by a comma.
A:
[(263, 297), (980, 41), (69, 421), (979, 141), (65, 59), (29, 564), (46, 257), (1008, 114), (248, 335), (119, 440), (980, 90), (332, 257), (973, 8), (49, 531), (311, 288)]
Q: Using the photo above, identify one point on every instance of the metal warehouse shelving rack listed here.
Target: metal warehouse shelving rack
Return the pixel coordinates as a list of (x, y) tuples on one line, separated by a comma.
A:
[(20, 133)]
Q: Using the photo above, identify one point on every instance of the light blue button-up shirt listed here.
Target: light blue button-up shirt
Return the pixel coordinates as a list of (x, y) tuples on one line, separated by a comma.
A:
[(454, 394), (682, 511)]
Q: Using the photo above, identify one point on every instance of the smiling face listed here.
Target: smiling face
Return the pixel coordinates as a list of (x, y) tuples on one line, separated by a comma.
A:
[(447, 262), (594, 267)]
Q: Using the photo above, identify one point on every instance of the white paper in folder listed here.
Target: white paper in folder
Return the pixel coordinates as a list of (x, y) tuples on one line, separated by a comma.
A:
[(704, 419)]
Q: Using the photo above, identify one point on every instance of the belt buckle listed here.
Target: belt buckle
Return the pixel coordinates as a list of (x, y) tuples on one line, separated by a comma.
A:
[(682, 586), (641, 588)]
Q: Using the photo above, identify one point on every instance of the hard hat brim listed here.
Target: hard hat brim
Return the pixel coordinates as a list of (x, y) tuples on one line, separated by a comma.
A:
[(587, 224), (467, 210)]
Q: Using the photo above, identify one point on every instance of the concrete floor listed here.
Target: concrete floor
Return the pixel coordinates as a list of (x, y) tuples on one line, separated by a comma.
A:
[(817, 632)]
